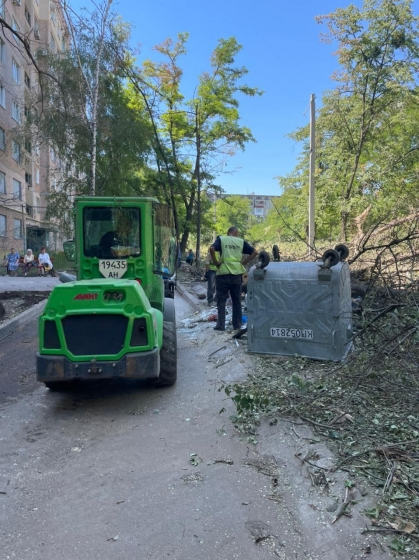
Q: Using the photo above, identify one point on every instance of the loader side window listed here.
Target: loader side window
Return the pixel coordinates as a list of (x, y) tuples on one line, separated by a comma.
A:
[(165, 246), (111, 232)]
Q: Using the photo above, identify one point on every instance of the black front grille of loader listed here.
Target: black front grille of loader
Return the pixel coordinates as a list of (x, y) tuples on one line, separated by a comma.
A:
[(92, 335), (51, 340)]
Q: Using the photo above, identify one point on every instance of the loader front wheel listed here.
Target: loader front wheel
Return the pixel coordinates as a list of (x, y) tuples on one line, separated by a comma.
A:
[(168, 355)]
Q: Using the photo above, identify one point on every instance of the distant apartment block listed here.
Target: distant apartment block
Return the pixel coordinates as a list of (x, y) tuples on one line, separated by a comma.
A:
[(260, 204), (28, 170)]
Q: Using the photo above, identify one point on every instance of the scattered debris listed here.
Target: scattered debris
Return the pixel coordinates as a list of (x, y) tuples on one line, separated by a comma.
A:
[(194, 477), (240, 333), (403, 526), (226, 461), (113, 539), (194, 460), (223, 363), (259, 530), (215, 351), (275, 498), (346, 503)]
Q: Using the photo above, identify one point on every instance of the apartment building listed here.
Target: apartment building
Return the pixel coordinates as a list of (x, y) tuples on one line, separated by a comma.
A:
[(259, 204), (28, 170)]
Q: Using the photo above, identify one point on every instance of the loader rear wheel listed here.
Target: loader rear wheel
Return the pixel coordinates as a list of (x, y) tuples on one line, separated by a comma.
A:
[(168, 355)]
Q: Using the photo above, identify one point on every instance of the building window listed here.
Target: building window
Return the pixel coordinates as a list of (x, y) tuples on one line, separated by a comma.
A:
[(2, 139), (17, 189), (53, 155), (16, 71), (16, 111), (52, 44), (27, 15), (2, 183), (28, 146), (16, 151), (2, 47), (37, 176), (28, 115), (2, 10), (2, 97), (17, 229), (15, 27), (36, 29), (27, 81), (3, 226), (28, 179)]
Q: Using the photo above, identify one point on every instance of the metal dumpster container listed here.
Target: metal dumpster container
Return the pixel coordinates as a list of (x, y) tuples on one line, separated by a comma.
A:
[(292, 310)]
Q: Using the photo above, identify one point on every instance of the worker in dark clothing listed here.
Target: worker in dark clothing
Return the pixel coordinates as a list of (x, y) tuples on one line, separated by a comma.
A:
[(106, 242), (230, 268)]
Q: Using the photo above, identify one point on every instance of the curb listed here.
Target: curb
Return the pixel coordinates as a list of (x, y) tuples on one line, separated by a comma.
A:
[(15, 323), (187, 297)]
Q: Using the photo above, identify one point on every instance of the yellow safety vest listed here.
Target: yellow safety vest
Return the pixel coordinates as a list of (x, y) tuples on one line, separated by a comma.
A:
[(231, 255), (211, 265)]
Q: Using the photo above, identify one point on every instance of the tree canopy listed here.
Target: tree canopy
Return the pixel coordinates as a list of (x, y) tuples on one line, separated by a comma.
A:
[(367, 127)]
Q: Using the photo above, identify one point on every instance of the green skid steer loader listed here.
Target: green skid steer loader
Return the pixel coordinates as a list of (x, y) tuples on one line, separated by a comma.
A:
[(114, 320)]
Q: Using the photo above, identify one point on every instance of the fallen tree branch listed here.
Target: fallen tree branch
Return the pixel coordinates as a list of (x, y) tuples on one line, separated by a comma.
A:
[(346, 502)]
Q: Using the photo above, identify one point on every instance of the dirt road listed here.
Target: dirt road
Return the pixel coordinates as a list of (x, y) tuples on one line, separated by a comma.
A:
[(126, 471)]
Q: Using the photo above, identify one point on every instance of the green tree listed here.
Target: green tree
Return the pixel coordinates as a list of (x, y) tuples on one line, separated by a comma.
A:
[(233, 211), (104, 157), (193, 138), (367, 149)]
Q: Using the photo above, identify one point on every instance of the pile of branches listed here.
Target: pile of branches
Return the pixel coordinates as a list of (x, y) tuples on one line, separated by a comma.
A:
[(368, 406)]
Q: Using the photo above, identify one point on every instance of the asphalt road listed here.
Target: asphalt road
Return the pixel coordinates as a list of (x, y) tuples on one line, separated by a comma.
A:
[(124, 471)]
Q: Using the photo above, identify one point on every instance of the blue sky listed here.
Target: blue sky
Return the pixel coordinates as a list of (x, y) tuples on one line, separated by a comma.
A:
[(282, 51)]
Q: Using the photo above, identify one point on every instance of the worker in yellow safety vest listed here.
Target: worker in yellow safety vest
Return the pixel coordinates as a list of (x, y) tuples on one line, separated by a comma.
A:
[(230, 268)]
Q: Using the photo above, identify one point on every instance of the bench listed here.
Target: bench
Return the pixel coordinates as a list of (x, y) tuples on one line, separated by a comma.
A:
[(33, 271), (35, 267)]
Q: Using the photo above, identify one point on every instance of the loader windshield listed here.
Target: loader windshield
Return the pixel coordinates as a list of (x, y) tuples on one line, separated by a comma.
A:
[(111, 232)]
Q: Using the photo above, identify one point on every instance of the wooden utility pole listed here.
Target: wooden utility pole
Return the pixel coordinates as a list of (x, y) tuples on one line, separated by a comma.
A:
[(311, 189)]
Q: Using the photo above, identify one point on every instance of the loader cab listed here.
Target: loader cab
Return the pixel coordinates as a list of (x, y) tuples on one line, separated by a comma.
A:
[(111, 232), (129, 238)]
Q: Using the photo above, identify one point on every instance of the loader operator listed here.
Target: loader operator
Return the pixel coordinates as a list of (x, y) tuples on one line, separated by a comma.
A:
[(230, 268)]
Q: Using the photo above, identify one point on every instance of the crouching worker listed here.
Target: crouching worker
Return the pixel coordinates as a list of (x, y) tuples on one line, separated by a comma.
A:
[(44, 263)]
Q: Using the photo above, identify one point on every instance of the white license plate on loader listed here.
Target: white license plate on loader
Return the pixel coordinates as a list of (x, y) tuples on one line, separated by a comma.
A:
[(112, 268)]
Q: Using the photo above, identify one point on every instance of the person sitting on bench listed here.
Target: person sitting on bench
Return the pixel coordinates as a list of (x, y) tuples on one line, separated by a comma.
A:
[(28, 261), (12, 262), (44, 262)]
